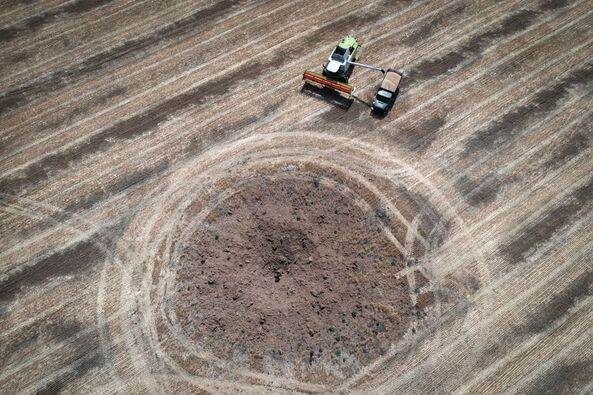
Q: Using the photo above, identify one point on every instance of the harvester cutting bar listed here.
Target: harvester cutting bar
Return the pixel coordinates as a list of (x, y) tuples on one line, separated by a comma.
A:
[(320, 80)]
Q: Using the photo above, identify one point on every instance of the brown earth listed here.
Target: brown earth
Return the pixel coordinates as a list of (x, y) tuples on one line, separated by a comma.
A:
[(443, 248), (311, 275)]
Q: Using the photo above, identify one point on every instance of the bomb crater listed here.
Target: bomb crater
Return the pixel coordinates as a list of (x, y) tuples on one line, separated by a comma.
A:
[(292, 269)]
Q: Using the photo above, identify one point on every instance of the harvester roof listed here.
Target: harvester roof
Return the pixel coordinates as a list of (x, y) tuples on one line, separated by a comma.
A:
[(348, 42)]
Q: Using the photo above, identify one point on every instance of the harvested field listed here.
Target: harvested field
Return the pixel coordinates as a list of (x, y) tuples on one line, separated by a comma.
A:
[(178, 215)]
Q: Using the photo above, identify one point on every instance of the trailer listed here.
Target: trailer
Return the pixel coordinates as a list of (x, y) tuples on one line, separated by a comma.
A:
[(385, 96), (337, 70)]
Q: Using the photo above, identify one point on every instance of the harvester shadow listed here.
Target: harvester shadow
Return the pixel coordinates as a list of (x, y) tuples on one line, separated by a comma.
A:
[(362, 101), (327, 95)]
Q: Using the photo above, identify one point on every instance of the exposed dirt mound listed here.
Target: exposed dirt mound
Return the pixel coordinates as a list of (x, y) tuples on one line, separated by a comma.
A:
[(292, 268)]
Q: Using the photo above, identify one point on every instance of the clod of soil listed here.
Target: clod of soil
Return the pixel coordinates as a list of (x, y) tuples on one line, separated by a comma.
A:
[(291, 269)]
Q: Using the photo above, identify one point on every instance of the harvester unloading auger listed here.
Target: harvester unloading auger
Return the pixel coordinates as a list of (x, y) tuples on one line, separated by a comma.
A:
[(338, 69)]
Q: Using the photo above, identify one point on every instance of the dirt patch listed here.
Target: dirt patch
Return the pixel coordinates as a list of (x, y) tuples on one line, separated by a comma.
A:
[(428, 29), (473, 48), (61, 78), (420, 279), (424, 300), (578, 142), (420, 137), (510, 125), (292, 270), (568, 378), (558, 306), (531, 236), (480, 192), (36, 22), (78, 258)]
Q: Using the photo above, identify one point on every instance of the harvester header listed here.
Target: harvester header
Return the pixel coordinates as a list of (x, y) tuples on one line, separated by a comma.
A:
[(320, 81)]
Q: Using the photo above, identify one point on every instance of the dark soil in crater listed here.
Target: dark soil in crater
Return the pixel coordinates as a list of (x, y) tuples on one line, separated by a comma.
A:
[(292, 270)]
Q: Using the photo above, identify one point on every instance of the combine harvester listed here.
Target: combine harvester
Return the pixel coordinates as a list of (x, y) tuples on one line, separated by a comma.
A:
[(338, 69)]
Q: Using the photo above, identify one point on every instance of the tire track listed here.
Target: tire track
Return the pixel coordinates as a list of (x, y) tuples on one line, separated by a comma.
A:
[(27, 52), (437, 97), (28, 10), (500, 312), (159, 86), (24, 95), (486, 220), (215, 85), (34, 23), (523, 348)]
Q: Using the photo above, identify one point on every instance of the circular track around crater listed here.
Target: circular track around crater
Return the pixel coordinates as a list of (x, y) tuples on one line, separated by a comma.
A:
[(294, 260)]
